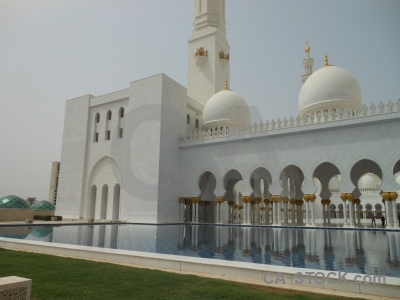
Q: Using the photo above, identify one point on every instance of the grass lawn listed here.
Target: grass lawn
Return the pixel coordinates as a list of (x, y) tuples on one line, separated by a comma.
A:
[(56, 277)]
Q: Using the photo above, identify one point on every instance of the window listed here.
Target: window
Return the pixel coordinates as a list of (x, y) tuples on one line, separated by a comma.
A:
[(121, 122), (108, 126), (197, 123), (96, 128), (187, 119)]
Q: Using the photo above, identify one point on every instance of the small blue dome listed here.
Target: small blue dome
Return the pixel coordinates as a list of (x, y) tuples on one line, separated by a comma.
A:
[(43, 205), (12, 201)]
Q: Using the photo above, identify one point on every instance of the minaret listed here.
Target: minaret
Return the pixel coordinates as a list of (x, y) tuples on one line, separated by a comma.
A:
[(308, 63), (208, 66)]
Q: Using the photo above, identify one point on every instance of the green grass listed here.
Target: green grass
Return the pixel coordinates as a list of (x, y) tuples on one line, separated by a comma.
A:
[(67, 278)]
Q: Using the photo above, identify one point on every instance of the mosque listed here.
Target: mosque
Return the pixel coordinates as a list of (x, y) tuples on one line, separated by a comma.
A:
[(158, 152)]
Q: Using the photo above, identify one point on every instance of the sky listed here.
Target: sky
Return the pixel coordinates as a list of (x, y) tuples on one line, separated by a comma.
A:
[(55, 50)]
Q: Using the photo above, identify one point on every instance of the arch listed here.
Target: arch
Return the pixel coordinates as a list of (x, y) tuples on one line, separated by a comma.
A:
[(103, 205), (92, 202), (368, 211), (231, 181), (121, 122), (329, 178), (207, 183), (396, 172), (260, 181), (361, 168), (332, 210), (378, 210), (116, 202), (291, 180), (105, 171), (340, 214)]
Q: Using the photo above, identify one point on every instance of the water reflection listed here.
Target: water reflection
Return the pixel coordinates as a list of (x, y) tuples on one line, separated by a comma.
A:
[(366, 252)]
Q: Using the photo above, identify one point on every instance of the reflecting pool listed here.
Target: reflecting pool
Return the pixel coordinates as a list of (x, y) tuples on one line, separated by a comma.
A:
[(355, 251)]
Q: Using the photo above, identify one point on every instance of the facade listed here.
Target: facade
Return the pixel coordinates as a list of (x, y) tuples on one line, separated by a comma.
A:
[(158, 152)]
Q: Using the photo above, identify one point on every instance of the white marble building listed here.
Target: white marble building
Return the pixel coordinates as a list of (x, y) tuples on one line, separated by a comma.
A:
[(158, 152)]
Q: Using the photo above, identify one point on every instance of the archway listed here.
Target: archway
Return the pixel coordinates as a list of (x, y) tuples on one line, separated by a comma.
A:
[(363, 167), (207, 184), (232, 185), (291, 180), (260, 181), (329, 178)]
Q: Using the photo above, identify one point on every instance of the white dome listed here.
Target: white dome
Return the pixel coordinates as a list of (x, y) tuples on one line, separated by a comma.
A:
[(225, 108), (369, 181), (334, 182), (329, 88)]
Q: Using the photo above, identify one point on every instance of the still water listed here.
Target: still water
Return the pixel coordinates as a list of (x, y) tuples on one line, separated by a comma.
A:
[(355, 251)]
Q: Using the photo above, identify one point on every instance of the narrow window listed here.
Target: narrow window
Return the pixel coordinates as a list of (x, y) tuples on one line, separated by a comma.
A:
[(197, 123), (108, 126), (187, 119), (96, 128), (121, 122)]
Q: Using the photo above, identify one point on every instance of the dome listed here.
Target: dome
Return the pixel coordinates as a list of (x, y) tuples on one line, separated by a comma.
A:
[(329, 87), (12, 201), (225, 108), (369, 181), (43, 205), (334, 182)]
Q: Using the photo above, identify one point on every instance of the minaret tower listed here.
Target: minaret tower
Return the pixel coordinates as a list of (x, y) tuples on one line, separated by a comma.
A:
[(308, 63), (208, 66)]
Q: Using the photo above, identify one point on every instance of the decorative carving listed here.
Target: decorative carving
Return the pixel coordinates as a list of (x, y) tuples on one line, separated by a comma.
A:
[(201, 52), (222, 55)]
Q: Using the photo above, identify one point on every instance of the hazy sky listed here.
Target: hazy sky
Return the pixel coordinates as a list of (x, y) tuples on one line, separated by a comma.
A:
[(55, 50)]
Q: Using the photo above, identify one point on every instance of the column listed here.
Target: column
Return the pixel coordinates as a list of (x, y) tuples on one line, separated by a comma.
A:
[(324, 211), (328, 202), (257, 202), (193, 210), (252, 212), (393, 197), (343, 196), (357, 203), (267, 202), (312, 198), (351, 210), (276, 219), (293, 204), (182, 210), (285, 202), (307, 199), (196, 201), (219, 218), (246, 209)]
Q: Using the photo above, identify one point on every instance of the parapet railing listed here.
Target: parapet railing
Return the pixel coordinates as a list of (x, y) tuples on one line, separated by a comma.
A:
[(328, 115)]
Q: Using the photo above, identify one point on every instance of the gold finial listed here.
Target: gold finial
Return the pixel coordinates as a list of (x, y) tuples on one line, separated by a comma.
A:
[(226, 85), (307, 49), (326, 60)]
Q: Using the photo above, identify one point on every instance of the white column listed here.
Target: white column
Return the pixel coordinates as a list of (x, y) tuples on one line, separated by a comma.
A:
[(279, 208), (293, 205), (344, 199), (312, 214), (308, 222), (285, 211), (328, 211), (193, 211), (393, 197), (351, 209)]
